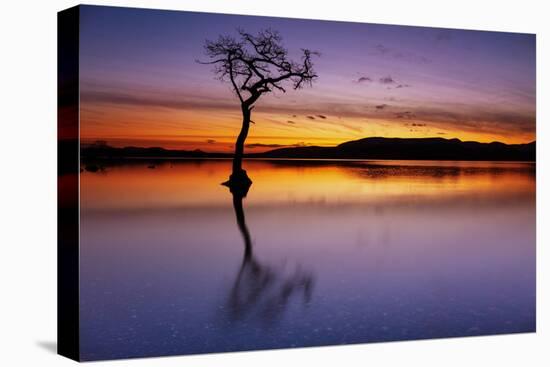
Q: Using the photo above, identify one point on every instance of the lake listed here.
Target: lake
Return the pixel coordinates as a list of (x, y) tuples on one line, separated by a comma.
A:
[(317, 253)]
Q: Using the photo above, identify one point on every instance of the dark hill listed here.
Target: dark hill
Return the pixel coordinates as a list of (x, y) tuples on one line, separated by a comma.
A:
[(368, 148), (418, 149), (102, 151)]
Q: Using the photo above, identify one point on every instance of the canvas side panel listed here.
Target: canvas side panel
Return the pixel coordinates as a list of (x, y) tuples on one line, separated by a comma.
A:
[(68, 183)]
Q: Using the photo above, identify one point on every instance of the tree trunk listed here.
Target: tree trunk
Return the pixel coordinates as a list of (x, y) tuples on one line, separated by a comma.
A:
[(239, 181), (239, 145)]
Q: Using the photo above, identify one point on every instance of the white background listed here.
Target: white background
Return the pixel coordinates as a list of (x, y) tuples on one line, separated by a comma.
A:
[(28, 182)]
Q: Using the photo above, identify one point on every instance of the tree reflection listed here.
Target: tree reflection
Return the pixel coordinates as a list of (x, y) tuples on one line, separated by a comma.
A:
[(260, 290)]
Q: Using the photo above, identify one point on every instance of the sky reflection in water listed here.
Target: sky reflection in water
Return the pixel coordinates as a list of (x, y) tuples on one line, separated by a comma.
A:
[(339, 252)]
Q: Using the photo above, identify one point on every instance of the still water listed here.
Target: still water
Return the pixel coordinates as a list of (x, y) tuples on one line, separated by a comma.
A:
[(317, 253)]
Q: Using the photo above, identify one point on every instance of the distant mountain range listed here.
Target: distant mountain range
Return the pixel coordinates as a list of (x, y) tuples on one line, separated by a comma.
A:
[(367, 148), (417, 149)]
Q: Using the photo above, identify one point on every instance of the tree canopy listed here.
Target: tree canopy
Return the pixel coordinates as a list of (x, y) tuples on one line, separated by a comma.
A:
[(258, 64)]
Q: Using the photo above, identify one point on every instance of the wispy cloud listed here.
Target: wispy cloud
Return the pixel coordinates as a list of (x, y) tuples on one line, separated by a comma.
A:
[(386, 80), (388, 52), (382, 49), (263, 145), (405, 115), (476, 119), (160, 101)]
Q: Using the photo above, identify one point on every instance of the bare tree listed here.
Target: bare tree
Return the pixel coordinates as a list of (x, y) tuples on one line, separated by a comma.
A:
[(255, 65)]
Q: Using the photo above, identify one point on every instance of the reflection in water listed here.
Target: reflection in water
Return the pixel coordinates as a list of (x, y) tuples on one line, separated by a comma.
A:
[(399, 250), (259, 288), (284, 181)]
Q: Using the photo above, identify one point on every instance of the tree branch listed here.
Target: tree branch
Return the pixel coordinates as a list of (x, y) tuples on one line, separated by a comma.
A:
[(232, 77), (258, 64)]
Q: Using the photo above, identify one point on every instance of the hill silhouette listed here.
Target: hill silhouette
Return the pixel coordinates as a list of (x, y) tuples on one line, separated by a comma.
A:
[(415, 149), (367, 148)]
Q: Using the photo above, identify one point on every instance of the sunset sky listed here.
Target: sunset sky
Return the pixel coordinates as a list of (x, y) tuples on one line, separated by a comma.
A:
[(141, 85)]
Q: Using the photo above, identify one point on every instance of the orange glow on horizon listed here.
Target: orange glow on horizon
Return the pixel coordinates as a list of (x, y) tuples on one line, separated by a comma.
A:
[(216, 130)]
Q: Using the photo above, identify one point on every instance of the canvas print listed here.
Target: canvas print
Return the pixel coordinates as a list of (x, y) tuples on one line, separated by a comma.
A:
[(232, 183)]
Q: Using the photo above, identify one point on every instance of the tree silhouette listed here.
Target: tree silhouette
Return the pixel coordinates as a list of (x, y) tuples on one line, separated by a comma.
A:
[(255, 65)]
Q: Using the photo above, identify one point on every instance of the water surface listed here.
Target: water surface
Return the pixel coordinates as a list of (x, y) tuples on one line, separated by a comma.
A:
[(317, 253)]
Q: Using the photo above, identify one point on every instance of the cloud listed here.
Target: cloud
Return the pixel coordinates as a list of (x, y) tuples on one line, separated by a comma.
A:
[(211, 141), (357, 129), (291, 122), (133, 99), (263, 145), (363, 79), (382, 49), (488, 119), (386, 80), (322, 116), (387, 52), (405, 115), (477, 119)]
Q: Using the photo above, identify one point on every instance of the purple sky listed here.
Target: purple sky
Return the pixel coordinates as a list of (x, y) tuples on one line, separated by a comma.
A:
[(373, 80)]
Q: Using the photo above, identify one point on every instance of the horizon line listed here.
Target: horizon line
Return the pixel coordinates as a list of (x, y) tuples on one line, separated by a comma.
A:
[(105, 142)]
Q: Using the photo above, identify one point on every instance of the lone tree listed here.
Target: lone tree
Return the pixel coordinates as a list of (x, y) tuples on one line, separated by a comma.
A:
[(255, 65)]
